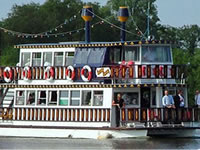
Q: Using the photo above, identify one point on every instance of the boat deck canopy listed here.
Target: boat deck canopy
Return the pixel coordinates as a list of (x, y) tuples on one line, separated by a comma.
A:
[(91, 44)]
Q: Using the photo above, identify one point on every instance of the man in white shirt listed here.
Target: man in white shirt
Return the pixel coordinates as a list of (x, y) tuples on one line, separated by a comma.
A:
[(197, 99), (167, 100)]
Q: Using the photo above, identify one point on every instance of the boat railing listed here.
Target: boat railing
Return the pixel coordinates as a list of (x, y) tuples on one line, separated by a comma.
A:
[(127, 115), (163, 115), (107, 72), (57, 114)]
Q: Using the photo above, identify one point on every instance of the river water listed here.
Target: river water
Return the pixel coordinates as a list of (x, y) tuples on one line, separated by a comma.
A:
[(135, 143)]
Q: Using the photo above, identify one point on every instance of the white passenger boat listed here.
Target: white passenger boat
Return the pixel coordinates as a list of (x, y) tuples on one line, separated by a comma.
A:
[(67, 89)]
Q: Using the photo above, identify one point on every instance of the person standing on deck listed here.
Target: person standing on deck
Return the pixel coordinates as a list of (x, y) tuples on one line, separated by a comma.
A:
[(118, 103), (167, 100), (168, 104), (197, 99)]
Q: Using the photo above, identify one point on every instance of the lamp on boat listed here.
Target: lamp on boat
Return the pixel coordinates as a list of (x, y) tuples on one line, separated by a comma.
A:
[(123, 17), (87, 16)]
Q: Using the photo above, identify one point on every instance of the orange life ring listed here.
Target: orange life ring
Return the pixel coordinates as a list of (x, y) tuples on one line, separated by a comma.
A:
[(70, 76), (49, 73), (8, 74), (26, 73), (86, 79)]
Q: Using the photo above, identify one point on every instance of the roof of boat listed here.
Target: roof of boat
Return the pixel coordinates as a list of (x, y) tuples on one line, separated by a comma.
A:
[(91, 44)]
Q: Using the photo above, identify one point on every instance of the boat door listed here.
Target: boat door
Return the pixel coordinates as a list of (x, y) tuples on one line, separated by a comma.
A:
[(145, 97)]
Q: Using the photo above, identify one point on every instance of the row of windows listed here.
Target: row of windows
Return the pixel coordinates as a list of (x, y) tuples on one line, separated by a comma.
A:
[(132, 53), (60, 98), (47, 58)]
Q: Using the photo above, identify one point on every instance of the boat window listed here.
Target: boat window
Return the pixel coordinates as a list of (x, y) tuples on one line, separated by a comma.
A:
[(115, 55), (36, 58), (30, 100), (81, 55), (58, 59), (75, 98), (69, 56), (41, 98), (25, 59), (131, 53), (156, 54), (130, 98), (64, 98), (47, 59), (98, 98), (52, 98), (96, 56), (153, 96), (20, 98), (86, 97)]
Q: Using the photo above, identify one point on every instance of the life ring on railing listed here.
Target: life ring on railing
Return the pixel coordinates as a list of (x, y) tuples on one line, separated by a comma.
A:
[(27, 73), (49, 73), (70, 76), (8, 74), (86, 79)]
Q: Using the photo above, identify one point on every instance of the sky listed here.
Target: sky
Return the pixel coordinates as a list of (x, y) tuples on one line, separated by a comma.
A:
[(175, 13)]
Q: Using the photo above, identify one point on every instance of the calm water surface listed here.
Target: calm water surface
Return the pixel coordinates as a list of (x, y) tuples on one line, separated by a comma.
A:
[(136, 143)]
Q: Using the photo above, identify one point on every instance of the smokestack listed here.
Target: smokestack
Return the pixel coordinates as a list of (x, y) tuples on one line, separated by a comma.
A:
[(87, 17), (123, 17)]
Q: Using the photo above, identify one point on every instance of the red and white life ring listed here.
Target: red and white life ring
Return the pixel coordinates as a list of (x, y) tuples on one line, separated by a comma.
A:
[(89, 77), (70, 73), (27, 73), (8, 74), (49, 73)]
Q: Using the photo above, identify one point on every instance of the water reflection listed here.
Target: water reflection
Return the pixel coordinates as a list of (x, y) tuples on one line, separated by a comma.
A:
[(134, 143)]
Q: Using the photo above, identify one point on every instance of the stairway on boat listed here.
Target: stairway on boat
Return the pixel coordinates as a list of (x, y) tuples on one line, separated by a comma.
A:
[(6, 102), (8, 99)]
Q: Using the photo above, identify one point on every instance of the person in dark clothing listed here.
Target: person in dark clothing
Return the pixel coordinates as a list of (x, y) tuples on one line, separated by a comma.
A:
[(179, 103), (118, 103)]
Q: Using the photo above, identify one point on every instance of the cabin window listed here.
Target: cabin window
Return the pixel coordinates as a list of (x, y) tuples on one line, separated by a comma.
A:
[(81, 56), (36, 58), (115, 55), (64, 98), (30, 100), (131, 53), (75, 98), (25, 59), (130, 98), (156, 54), (42, 96), (58, 59), (86, 97), (153, 97), (98, 98), (20, 98), (69, 57), (96, 56), (52, 98), (47, 56)]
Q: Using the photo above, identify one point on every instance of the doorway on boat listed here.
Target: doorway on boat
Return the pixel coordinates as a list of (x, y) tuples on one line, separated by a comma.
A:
[(145, 97)]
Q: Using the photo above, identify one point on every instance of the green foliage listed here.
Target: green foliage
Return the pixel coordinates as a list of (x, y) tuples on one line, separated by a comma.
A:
[(35, 18), (9, 57)]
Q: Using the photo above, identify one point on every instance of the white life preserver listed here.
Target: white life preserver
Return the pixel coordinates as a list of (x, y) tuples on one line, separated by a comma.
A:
[(8, 74), (49, 73), (86, 79), (26, 73), (70, 76)]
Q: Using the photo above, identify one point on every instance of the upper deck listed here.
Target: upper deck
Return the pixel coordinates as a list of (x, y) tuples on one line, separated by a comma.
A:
[(140, 62)]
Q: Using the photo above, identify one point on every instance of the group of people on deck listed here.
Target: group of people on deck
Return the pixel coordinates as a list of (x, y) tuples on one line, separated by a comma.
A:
[(168, 101)]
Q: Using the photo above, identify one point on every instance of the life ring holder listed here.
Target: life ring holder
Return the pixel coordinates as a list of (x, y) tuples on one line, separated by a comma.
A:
[(49, 73), (26, 73), (70, 76), (86, 79), (8, 74)]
